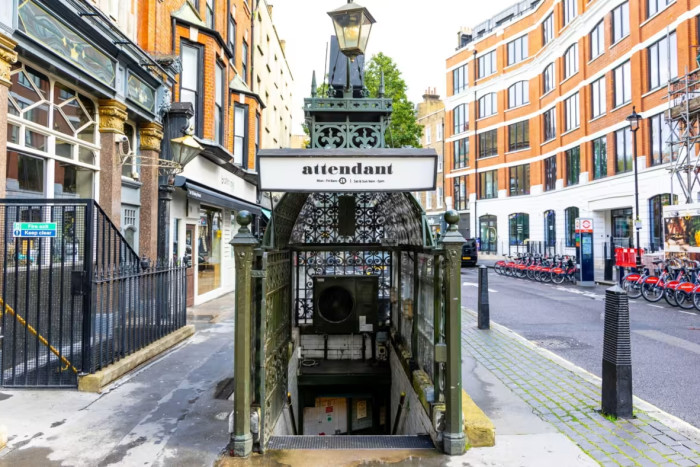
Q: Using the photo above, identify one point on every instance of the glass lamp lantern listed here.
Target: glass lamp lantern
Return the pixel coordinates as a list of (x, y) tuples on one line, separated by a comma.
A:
[(184, 149), (353, 24), (634, 119)]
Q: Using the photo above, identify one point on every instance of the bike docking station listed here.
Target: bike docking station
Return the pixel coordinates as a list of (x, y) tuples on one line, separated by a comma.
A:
[(584, 252)]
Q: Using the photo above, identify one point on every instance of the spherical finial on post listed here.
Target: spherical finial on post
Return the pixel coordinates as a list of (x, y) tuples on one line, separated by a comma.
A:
[(452, 219), (244, 218)]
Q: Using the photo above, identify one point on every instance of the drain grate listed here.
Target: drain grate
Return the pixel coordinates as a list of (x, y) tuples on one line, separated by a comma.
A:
[(350, 442)]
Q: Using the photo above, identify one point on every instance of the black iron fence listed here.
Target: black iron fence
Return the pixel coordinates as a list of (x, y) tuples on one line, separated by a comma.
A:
[(74, 295)]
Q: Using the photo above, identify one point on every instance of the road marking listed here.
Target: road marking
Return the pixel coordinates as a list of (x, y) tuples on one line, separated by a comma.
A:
[(670, 340), (656, 306), (474, 284), (687, 312), (580, 292)]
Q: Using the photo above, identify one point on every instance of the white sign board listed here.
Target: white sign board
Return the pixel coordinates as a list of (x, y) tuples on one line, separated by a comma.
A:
[(343, 173)]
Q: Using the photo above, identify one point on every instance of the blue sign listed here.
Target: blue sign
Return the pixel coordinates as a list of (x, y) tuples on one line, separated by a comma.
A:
[(34, 229)]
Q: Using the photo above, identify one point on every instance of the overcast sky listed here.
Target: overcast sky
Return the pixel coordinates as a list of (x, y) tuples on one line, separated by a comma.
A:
[(418, 35)]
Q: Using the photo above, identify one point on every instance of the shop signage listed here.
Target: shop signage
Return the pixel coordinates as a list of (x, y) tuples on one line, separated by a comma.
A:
[(347, 170), (34, 229)]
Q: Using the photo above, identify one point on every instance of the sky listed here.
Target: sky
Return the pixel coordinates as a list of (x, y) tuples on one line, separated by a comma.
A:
[(417, 35)]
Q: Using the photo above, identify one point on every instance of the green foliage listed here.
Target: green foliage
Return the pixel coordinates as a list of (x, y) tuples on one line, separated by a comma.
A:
[(403, 130)]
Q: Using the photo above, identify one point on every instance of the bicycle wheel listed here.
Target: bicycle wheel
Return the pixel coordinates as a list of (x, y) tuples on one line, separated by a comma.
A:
[(546, 276), (498, 268), (670, 297), (558, 277), (684, 299), (633, 289), (696, 300), (652, 292)]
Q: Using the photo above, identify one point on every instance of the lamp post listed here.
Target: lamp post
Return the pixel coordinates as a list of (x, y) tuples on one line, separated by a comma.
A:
[(352, 24), (633, 120)]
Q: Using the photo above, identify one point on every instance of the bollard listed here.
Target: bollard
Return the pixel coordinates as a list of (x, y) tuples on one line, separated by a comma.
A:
[(483, 300), (617, 355)]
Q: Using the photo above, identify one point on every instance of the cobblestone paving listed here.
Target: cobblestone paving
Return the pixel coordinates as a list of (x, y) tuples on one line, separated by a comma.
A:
[(571, 403)]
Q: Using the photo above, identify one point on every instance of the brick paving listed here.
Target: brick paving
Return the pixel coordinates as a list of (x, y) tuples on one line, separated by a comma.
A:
[(571, 403)]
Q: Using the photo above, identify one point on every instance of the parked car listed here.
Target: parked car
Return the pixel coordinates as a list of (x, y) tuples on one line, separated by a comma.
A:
[(469, 253)]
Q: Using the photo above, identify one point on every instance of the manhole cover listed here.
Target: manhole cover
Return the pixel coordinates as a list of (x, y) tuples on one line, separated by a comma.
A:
[(558, 342)]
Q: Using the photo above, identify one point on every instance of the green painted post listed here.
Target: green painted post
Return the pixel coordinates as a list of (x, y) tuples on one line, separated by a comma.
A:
[(453, 437), (244, 244)]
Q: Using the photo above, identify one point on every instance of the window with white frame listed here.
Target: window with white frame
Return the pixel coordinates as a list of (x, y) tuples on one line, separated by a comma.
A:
[(663, 61), (571, 106), (190, 83), (623, 150), (654, 6), (620, 22), (438, 200), (569, 11), (597, 40), (460, 119), (438, 131), (428, 138), (518, 94), (210, 13), (548, 29), (240, 134), (548, 79), (622, 76), (52, 141), (571, 61), (220, 74), (488, 105), (428, 200), (517, 50), (459, 79), (598, 97), (486, 64)]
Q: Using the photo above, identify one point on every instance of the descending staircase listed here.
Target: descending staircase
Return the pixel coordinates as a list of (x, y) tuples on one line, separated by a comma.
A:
[(312, 442)]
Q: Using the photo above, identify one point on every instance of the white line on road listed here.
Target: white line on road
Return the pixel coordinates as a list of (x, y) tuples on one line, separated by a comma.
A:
[(474, 284), (581, 292), (656, 306), (670, 340), (686, 312)]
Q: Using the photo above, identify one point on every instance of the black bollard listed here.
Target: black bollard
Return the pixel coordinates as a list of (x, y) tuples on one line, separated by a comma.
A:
[(617, 355), (483, 300)]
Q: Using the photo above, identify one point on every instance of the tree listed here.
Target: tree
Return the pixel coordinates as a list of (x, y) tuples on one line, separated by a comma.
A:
[(403, 130)]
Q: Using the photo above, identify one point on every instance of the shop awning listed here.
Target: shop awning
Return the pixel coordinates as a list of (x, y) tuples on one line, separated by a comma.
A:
[(215, 198)]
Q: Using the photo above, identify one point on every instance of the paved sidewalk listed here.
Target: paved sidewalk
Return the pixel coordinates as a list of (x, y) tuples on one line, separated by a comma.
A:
[(569, 398)]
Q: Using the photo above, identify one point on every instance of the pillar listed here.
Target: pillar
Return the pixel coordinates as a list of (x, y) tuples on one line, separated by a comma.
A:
[(8, 57), (243, 244), (112, 117), (453, 436), (151, 137)]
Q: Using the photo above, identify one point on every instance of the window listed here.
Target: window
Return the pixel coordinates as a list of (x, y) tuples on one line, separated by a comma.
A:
[(488, 105), (600, 157), (518, 228), (597, 40), (219, 112), (488, 184), (460, 118), (518, 94), (660, 135), (428, 200), (428, 136), (440, 163), (656, 229), (459, 79), (654, 6), (519, 135), (244, 61), (550, 228), (623, 84), (548, 29), (257, 133), (571, 61), (25, 175), (240, 135), (461, 153), (460, 192), (517, 50), (129, 167), (573, 165), (486, 64), (663, 61), (598, 97), (488, 229), (620, 22), (232, 35), (210, 13), (438, 128), (550, 173), (570, 215), (569, 11), (572, 113), (548, 78), (438, 197), (488, 144), (623, 150), (520, 180), (550, 126), (190, 82)]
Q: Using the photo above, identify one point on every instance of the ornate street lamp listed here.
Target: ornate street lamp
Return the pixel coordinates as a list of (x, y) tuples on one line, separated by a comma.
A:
[(353, 24), (183, 149), (633, 120)]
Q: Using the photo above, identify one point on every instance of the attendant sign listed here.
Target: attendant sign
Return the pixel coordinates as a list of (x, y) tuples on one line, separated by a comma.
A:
[(34, 229), (347, 170)]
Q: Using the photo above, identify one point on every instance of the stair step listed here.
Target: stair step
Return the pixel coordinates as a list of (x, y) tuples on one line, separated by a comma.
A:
[(350, 442)]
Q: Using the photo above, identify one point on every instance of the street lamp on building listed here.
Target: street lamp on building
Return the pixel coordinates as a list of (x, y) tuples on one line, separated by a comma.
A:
[(352, 24), (183, 149), (633, 120)]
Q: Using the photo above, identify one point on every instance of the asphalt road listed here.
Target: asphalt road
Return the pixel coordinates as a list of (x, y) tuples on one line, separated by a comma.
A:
[(568, 320)]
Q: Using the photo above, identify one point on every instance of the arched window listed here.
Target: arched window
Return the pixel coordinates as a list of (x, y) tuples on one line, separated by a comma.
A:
[(656, 218), (571, 61), (550, 228), (518, 94), (519, 228), (488, 105), (548, 78), (570, 215), (488, 232)]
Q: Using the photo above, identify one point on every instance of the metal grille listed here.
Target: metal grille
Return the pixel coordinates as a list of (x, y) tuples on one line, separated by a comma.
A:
[(426, 314), (350, 442)]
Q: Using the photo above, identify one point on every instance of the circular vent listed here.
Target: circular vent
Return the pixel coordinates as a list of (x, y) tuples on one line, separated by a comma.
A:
[(335, 304)]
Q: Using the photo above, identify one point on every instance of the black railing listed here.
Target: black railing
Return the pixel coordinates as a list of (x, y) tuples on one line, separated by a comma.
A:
[(76, 297)]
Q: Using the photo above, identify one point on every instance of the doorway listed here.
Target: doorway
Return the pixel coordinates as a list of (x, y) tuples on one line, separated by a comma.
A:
[(189, 243), (488, 233), (622, 227)]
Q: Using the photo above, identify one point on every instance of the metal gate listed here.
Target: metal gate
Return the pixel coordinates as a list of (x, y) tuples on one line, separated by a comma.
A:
[(74, 296)]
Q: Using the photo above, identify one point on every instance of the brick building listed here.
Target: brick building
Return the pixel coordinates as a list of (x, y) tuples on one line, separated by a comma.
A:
[(536, 127), (430, 115)]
